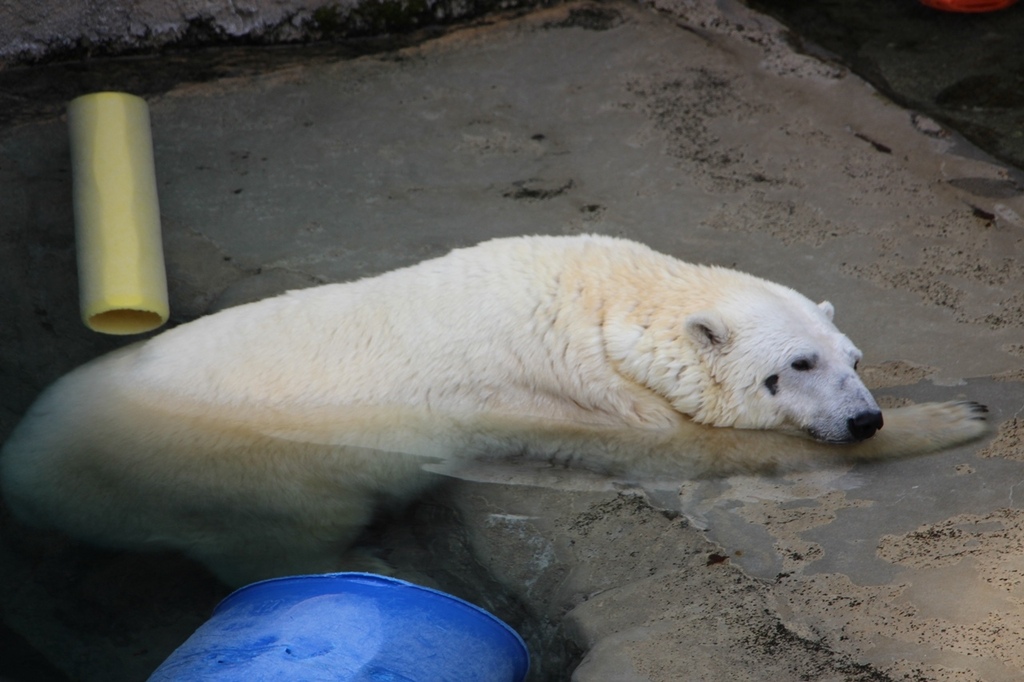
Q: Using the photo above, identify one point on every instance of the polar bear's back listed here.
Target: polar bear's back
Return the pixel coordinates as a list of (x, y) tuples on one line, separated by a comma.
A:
[(491, 315)]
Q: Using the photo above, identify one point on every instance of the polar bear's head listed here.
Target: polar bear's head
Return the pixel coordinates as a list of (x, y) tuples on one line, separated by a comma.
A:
[(750, 354), (768, 358)]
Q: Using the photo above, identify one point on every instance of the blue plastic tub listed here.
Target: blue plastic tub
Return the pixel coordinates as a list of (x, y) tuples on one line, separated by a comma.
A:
[(347, 627)]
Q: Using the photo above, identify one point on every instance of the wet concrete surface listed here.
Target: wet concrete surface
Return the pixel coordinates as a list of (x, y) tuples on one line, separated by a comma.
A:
[(696, 129)]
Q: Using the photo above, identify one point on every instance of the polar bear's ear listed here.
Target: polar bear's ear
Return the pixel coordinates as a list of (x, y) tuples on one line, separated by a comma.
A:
[(707, 329), (828, 309)]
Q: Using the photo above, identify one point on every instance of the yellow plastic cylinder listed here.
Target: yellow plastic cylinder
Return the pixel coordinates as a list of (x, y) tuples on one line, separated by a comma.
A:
[(121, 276)]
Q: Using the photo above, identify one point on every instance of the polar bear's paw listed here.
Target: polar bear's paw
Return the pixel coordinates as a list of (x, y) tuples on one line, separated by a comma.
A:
[(927, 427)]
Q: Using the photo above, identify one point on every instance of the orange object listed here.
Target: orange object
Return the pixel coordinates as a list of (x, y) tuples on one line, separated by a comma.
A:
[(968, 6)]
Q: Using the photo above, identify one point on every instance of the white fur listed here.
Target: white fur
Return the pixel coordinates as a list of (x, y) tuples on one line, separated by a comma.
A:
[(259, 440)]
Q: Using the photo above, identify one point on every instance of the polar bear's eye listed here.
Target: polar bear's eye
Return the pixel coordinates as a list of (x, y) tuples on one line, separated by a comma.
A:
[(801, 365), (772, 384)]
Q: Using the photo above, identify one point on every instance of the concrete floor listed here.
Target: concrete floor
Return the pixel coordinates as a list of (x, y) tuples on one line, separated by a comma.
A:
[(695, 129)]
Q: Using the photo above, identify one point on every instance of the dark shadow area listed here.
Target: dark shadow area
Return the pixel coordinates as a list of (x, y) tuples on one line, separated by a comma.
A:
[(965, 70)]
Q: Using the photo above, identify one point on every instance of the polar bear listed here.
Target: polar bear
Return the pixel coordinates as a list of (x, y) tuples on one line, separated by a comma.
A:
[(259, 440)]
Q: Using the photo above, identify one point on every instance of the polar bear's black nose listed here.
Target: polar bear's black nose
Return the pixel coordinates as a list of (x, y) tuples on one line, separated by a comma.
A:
[(864, 425)]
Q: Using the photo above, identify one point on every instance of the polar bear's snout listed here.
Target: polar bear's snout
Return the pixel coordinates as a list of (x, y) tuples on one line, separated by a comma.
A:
[(864, 425)]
